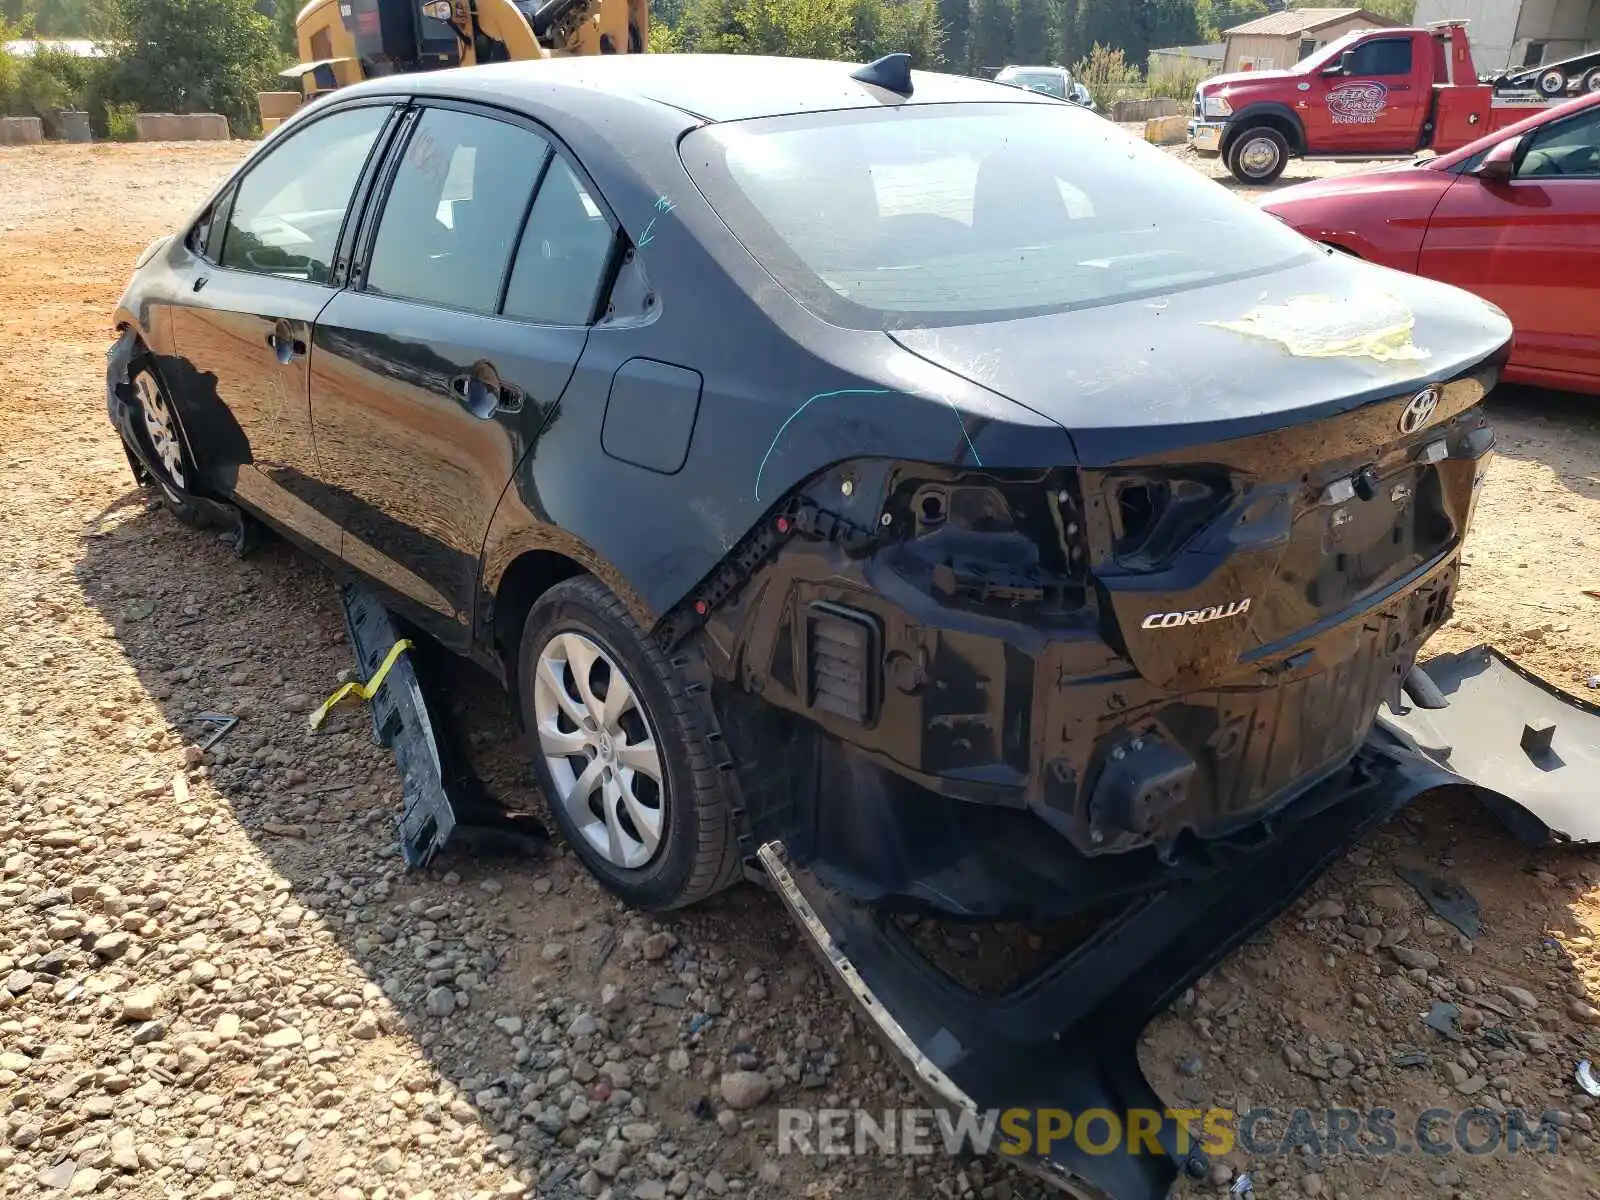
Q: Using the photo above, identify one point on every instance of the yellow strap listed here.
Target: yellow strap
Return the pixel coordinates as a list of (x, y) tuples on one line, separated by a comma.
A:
[(365, 690)]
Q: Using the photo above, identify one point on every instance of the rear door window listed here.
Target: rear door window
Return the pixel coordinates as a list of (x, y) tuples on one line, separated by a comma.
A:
[(288, 210), (453, 212), (561, 263)]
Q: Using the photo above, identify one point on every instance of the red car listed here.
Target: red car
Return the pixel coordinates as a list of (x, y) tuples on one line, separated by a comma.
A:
[(1514, 217)]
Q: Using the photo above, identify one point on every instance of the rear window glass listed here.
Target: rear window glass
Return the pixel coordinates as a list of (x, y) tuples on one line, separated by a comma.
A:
[(960, 213)]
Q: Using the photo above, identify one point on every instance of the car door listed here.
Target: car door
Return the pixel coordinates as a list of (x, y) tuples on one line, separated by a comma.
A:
[(433, 374), (1376, 107), (243, 337), (1531, 244)]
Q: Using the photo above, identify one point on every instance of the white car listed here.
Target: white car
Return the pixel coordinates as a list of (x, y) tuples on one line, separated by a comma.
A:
[(1052, 81)]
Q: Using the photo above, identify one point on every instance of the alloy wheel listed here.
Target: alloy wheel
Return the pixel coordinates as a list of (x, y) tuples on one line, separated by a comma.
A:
[(600, 749), (161, 426)]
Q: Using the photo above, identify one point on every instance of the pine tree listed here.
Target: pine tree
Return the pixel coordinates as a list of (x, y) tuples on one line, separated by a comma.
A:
[(1033, 35), (990, 46), (955, 16)]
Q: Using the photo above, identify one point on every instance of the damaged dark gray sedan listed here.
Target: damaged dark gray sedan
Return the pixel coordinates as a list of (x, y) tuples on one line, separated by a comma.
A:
[(907, 489)]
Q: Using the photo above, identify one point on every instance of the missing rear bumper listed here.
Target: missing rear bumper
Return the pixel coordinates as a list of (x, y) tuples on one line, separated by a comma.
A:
[(1066, 1040)]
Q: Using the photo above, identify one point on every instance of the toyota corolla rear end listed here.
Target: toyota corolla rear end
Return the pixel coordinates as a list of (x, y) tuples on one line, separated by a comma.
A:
[(1275, 453)]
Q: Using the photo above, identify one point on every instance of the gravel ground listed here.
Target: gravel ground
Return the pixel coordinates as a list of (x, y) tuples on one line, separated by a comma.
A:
[(216, 980)]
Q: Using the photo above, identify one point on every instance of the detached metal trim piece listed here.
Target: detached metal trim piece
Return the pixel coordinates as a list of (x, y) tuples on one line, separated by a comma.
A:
[(400, 721), (774, 857)]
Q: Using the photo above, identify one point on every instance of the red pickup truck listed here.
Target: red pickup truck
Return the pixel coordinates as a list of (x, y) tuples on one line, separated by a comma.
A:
[(1376, 93)]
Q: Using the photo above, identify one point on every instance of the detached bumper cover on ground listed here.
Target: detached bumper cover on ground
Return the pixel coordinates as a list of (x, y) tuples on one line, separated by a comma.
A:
[(1067, 1039), (1533, 749)]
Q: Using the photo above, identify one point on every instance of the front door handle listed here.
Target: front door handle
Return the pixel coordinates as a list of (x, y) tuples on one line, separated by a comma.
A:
[(282, 342)]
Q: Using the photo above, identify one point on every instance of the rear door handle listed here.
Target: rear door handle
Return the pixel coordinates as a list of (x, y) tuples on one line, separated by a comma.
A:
[(483, 395)]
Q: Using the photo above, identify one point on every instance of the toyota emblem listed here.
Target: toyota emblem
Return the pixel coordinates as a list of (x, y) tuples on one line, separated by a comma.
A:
[(1419, 410)]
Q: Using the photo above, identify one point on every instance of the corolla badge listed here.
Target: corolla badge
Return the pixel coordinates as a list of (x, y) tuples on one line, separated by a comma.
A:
[(1195, 616), (1357, 103), (1419, 410)]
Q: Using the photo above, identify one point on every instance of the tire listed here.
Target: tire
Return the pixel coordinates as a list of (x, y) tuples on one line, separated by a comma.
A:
[(1552, 82), (1258, 155), (1591, 80), (674, 845)]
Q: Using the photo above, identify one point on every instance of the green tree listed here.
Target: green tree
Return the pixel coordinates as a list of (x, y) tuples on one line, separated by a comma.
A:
[(193, 56), (838, 29), (955, 19), (51, 18), (1404, 11), (283, 21), (8, 69), (798, 28), (989, 46), (1033, 36), (1215, 16), (1136, 26), (882, 27), (1068, 46), (1107, 74)]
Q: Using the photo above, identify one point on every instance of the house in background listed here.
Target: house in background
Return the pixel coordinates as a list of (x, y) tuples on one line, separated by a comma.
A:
[(1178, 58), (1520, 33), (1281, 39)]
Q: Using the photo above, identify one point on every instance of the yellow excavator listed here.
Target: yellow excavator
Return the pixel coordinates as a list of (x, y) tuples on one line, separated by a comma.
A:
[(345, 41)]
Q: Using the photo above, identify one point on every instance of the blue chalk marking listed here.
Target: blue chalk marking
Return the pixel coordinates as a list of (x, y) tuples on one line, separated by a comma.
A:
[(663, 207), (962, 425)]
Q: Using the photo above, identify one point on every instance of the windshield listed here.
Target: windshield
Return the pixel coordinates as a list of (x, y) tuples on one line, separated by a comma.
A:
[(1052, 83), (954, 213)]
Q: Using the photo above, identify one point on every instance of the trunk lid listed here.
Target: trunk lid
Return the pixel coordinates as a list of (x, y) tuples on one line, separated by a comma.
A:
[(1260, 460)]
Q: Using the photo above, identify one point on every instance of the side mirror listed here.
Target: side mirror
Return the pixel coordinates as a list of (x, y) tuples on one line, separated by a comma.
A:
[(1346, 64), (1500, 164)]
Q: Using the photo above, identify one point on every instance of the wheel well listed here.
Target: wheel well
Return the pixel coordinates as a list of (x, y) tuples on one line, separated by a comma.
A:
[(529, 576), (1284, 125)]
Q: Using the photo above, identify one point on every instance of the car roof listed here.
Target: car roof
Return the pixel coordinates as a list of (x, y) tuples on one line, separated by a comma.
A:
[(711, 87), (1541, 117)]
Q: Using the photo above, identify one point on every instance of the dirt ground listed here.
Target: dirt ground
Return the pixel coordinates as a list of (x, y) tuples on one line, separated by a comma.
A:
[(216, 980)]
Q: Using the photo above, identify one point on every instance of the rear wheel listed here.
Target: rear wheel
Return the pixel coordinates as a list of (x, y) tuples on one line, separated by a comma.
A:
[(1258, 155), (619, 752), (1591, 80), (1552, 82)]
